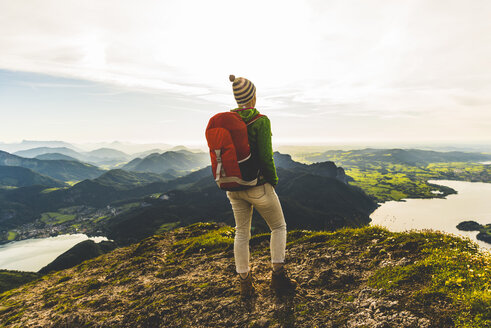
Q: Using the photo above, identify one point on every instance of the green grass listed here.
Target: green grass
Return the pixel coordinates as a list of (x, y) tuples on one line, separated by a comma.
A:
[(446, 267), (395, 182), (442, 272), (167, 227), (221, 239), (56, 218), (450, 267), (12, 279), (48, 190), (100, 218), (11, 235), (129, 206), (76, 226), (8, 187)]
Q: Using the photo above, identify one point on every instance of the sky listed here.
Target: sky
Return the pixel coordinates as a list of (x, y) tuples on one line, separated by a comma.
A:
[(325, 71)]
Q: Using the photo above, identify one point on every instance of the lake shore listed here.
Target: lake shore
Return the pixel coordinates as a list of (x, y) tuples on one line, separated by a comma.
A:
[(33, 254), (444, 214)]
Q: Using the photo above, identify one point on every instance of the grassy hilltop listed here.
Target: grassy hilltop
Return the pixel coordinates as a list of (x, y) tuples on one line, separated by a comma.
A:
[(363, 277)]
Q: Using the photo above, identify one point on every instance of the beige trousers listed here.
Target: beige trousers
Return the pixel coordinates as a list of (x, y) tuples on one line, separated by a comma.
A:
[(264, 199)]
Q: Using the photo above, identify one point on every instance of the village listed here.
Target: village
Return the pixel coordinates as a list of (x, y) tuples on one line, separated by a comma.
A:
[(72, 220)]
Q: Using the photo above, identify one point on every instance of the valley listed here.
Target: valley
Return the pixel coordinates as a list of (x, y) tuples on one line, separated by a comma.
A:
[(157, 191)]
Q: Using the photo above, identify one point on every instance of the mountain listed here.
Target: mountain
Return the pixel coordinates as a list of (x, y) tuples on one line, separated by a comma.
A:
[(35, 152), (106, 156), (25, 204), (55, 156), (413, 157), (148, 152), (28, 144), (285, 161), (126, 147), (122, 179), (176, 160), (17, 176), (331, 203), (101, 156), (57, 169), (118, 185), (365, 277), (160, 151), (10, 279), (309, 202), (181, 147), (326, 169), (82, 251), (107, 153)]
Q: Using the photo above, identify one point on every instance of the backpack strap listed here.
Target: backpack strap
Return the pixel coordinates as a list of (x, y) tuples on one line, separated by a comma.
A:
[(219, 164), (258, 116)]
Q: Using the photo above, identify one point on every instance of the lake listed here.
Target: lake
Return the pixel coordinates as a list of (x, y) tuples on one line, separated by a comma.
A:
[(33, 254), (472, 202)]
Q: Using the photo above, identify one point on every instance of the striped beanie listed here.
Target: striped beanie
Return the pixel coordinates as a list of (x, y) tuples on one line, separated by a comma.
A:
[(244, 90)]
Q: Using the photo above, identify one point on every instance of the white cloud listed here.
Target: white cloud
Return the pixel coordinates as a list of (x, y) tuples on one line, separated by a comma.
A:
[(384, 58)]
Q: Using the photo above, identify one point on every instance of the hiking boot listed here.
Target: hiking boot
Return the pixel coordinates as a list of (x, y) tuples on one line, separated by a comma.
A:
[(246, 286), (281, 283)]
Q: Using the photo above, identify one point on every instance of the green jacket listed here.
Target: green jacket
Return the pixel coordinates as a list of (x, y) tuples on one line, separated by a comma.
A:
[(259, 134)]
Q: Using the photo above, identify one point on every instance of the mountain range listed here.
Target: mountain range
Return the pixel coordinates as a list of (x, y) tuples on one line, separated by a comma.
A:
[(151, 193), (181, 160), (17, 176), (134, 149), (28, 144), (413, 157), (104, 156), (58, 169), (309, 201), (55, 156), (192, 197), (68, 165), (101, 156), (352, 277)]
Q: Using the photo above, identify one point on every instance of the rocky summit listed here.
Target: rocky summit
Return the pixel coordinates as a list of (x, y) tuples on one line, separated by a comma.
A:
[(363, 277)]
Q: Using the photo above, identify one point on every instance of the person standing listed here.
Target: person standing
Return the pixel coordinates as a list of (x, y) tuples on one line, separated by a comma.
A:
[(262, 196)]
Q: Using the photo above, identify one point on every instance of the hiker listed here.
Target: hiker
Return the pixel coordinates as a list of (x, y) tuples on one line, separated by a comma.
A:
[(261, 196)]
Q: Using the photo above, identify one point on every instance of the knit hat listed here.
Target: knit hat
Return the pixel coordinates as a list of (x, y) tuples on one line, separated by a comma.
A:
[(244, 90)]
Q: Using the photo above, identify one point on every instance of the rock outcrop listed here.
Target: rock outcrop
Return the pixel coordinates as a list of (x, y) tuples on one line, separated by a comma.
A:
[(82, 251)]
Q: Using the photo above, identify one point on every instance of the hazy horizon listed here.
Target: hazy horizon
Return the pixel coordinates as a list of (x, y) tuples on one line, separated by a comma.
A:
[(135, 147)]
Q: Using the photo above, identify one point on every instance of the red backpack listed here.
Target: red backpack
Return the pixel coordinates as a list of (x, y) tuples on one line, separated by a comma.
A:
[(231, 161)]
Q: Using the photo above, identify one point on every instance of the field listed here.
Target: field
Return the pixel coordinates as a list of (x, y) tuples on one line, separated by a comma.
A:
[(56, 218), (11, 235), (396, 174)]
